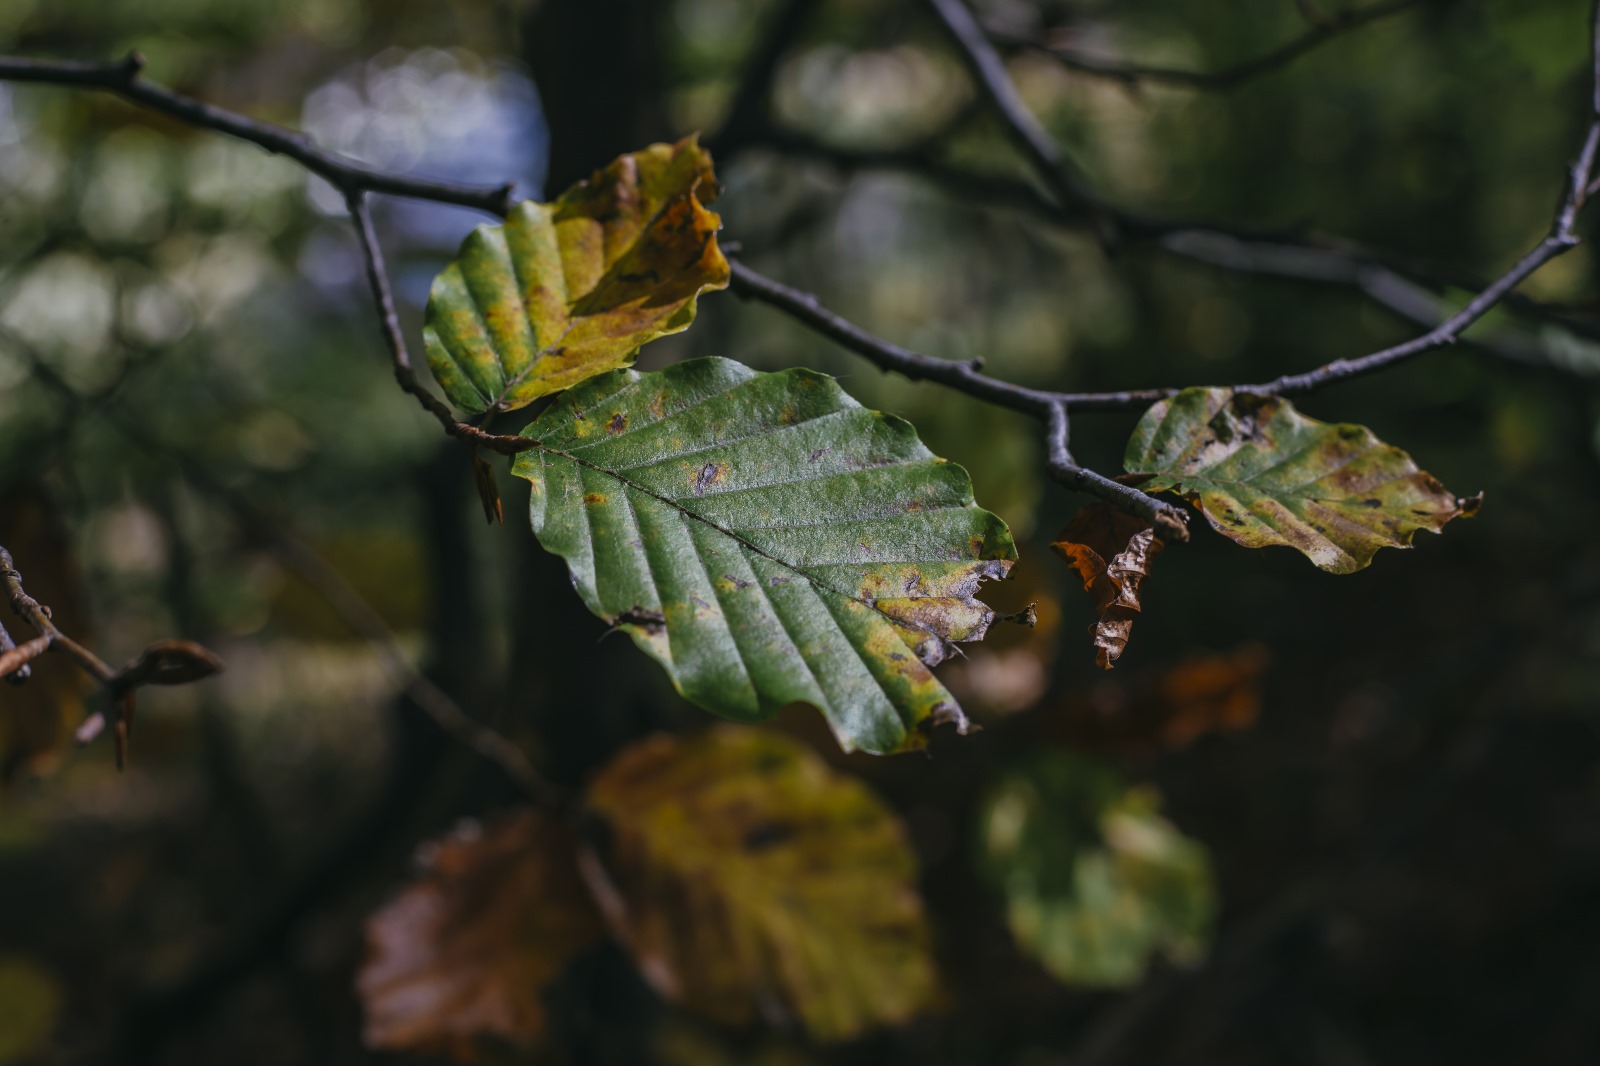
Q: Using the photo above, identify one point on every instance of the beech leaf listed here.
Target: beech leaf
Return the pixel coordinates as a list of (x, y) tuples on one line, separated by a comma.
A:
[(752, 882), (1112, 552), (1263, 473), (1096, 882), (768, 540), (566, 290), (466, 951)]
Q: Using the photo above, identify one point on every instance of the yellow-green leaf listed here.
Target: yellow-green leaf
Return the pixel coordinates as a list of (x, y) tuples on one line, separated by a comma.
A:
[(30, 1007), (1095, 881), (1263, 473), (567, 290), (751, 882)]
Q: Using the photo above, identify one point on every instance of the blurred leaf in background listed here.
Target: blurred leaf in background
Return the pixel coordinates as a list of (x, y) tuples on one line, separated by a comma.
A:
[(752, 883), (1096, 883)]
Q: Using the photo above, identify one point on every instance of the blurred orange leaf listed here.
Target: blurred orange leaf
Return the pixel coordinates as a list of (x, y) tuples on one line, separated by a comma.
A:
[(466, 951), (1200, 695)]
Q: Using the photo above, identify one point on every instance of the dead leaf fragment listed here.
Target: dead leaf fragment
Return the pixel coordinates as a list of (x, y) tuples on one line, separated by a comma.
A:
[(1099, 533), (466, 951)]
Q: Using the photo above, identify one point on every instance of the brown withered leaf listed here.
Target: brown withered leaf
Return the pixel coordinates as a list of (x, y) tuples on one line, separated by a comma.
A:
[(1201, 695), (1112, 552), (465, 952), (751, 882)]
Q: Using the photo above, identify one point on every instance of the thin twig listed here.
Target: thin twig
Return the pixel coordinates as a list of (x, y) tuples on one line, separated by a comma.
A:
[(988, 70), (1135, 74), (326, 582), (14, 672), (751, 101), (124, 79), (966, 376), (163, 663), (394, 337)]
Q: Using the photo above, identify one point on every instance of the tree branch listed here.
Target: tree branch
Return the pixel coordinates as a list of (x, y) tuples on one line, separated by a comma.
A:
[(124, 79), (322, 579), (988, 71), (164, 663), (394, 337), (1135, 74), (1050, 408)]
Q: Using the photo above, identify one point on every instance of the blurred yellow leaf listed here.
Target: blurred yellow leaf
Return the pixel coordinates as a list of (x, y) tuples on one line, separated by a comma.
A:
[(30, 1005), (752, 883)]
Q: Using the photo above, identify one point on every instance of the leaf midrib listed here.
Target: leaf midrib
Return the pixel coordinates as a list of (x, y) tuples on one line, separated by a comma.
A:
[(793, 568)]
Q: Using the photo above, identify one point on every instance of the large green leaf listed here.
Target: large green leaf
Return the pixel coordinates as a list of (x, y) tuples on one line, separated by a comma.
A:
[(752, 882), (1095, 881), (767, 540), (1263, 473), (567, 290)]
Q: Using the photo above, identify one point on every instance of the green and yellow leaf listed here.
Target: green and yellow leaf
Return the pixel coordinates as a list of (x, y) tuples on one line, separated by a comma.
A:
[(567, 290), (753, 883), (768, 540), (1263, 473)]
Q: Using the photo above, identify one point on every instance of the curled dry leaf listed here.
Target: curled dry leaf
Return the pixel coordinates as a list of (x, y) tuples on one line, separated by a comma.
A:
[(1263, 473), (753, 883), (168, 662), (465, 952), (567, 290), (1112, 552)]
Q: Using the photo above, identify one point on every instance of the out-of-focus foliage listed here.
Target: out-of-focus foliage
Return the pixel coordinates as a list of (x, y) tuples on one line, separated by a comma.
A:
[(1095, 881), (466, 951), (752, 882), (1195, 697), (767, 539), (570, 289), (30, 1008)]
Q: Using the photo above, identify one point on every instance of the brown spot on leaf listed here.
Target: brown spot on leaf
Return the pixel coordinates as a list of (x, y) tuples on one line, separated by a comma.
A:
[(708, 476), (595, 497), (652, 622)]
